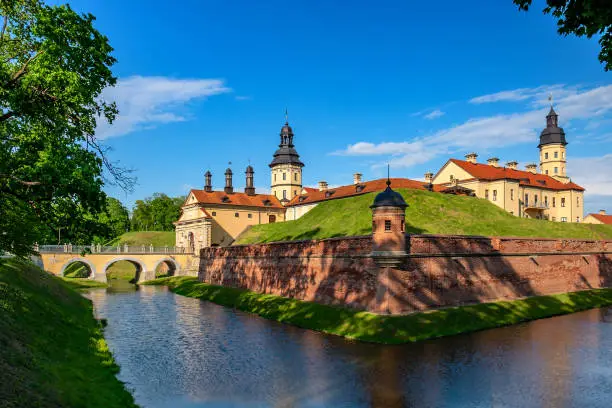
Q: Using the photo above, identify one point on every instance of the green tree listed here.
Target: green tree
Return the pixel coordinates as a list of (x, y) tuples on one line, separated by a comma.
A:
[(115, 217), (53, 66), (582, 18), (156, 213)]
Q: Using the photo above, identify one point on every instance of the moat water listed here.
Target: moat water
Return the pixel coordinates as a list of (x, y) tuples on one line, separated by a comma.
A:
[(178, 352)]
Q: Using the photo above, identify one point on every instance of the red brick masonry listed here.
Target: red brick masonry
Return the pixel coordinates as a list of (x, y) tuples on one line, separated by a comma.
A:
[(440, 270)]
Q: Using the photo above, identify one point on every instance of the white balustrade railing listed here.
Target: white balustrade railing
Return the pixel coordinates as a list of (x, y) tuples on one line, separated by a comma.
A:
[(101, 249)]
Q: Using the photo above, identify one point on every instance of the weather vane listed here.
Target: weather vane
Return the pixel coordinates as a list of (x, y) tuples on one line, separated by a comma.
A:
[(388, 174), (286, 116), (550, 99)]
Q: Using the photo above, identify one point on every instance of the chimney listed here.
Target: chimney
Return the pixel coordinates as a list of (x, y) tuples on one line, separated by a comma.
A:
[(322, 185), (208, 181), (602, 212), (249, 189), (532, 168), (471, 157), (357, 178), (429, 177), (512, 165), (493, 161), (228, 181)]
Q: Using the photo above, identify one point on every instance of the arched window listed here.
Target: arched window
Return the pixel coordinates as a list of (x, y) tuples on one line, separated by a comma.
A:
[(295, 176), (284, 176)]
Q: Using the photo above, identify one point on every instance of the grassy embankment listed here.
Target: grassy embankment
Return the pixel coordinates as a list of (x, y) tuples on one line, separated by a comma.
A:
[(428, 213), (52, 352), (124, 270), (138, 238), (374, 328)]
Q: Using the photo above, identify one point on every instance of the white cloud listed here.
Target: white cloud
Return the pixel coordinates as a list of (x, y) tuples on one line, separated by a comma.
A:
[(539, 94), (146, 102), (592, 173), (434, 114), (493, 131)]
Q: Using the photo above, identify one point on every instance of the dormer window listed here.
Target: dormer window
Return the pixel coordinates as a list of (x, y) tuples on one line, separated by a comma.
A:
[(267, 203), (225, 199), (359, 188), (329, 193), (302, 198)]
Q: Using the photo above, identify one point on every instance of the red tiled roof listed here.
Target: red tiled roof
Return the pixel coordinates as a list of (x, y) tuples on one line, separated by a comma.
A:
[(525, 178), (314, 195), (606, 219), (236, 199)]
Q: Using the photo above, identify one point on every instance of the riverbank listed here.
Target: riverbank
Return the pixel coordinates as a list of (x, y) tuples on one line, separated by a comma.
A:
[(369, 327), (52, 351)]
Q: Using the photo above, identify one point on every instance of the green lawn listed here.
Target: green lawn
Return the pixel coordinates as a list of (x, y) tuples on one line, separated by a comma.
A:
[(374, 328), (428, 213), (52, 351), (157, 238)]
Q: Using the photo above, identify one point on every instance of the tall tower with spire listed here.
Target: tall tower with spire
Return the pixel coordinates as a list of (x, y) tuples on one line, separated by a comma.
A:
[(553, 157), (286, 167)]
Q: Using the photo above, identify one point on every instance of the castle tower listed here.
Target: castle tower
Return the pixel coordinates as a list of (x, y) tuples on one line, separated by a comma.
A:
[(229, 189), (388, 227), (250, 187), (552, 148), (286, 167), (208, 181)]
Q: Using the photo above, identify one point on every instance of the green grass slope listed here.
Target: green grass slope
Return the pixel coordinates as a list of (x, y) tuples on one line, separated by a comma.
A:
[(52, 352), (157, 238), (428, 213), (387, 329)]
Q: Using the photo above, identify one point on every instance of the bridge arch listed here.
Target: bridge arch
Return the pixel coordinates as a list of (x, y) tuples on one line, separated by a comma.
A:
[(141, 268), (85, 261), (172, 264)]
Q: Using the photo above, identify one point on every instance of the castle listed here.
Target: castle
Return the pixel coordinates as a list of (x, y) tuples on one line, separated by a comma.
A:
[(216, 218)]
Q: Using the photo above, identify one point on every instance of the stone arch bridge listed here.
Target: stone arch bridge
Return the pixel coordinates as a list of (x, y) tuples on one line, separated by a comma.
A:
[(56, 258)]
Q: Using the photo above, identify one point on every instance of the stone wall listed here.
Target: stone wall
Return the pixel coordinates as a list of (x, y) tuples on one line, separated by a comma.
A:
[(440, 270)]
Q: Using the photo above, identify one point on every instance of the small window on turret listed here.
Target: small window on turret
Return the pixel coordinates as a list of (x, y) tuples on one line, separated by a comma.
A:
[(556, 170), (373, 225), (295, 176), (556, 155), (545, 155), (387, 225), (284, 176), (402, 226)]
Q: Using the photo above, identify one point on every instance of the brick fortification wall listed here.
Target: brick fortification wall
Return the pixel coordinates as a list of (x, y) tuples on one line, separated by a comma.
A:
[(439, 271)]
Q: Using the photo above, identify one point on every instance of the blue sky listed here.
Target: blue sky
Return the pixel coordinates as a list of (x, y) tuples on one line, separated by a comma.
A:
[(202, 83)]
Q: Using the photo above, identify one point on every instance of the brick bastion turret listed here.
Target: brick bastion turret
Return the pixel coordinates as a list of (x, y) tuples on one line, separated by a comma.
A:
[(390, 272)]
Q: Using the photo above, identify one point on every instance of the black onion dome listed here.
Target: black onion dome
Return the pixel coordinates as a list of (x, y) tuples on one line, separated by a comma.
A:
[(286, 153), (552, 134), (389, 198), (207, 173), (249, 169), (228, 171)]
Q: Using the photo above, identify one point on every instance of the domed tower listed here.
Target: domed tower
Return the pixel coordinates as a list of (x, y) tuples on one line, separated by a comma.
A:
[(552, 148), (388, 227), (249, 188), (286, 167)]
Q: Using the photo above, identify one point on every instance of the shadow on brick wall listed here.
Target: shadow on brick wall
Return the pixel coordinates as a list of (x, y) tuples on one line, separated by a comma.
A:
[(443, 271)]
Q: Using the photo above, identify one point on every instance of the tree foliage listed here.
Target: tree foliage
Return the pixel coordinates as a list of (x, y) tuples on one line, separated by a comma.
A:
[(582, 18), (156, 213), (115, 218), (53, 67)]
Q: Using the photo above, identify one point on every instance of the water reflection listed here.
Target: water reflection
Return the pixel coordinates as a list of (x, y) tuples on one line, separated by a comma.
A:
[(181, 352)]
